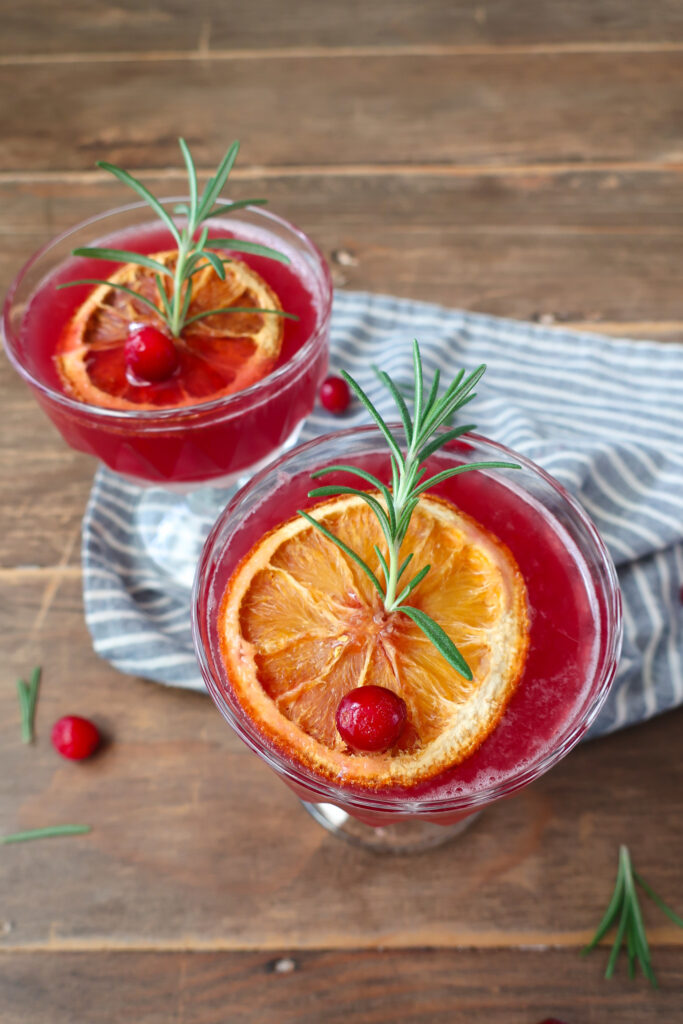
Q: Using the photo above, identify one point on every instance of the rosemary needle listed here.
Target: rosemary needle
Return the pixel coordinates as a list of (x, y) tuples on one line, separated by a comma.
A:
[(28, 696), (45, 833)]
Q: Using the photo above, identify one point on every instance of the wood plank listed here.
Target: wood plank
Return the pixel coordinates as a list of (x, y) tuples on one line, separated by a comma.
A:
[(196, 845), (579, 200), (484, 110), (45, 483), (41, 521), (366, 987), (554, 276), (37, 26)]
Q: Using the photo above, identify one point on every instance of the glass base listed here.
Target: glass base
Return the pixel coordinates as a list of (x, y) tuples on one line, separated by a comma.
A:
[(413, 836), (172, 523)]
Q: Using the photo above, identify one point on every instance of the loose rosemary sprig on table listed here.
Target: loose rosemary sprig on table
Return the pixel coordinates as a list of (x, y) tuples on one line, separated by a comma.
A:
[(624, 910), (174, 287), (422, 440), (28, 697)]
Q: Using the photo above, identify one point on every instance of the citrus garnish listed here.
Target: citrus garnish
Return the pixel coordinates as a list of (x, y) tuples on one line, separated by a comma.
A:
[(218, 313), (302, 626), (218, 354)]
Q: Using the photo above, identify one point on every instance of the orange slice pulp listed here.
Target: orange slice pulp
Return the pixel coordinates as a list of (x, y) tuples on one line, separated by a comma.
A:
[(218, 355), (301, 625)]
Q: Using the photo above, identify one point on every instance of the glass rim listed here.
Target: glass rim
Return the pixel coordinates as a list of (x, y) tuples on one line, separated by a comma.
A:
[(153, 416), (405, 804)]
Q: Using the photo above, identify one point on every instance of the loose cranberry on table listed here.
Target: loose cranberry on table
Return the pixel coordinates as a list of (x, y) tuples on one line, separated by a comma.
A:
[(335, 395), (150, 354), (371, 719), (74, 737)]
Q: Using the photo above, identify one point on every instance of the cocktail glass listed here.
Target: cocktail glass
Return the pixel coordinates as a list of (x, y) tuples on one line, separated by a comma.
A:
[(575, 614), (181, 460)]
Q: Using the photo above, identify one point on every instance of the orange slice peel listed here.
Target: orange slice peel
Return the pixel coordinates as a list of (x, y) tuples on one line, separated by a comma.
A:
[(301, 626), (218, 355)]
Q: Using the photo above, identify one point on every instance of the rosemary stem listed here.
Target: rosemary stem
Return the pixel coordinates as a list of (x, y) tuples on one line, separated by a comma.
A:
[(45, 833), (400, 498), (192, 257), (390, 595), (178, 279)]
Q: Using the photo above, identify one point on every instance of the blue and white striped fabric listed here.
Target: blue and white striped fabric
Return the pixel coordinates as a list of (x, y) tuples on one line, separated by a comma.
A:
[(604, 416)]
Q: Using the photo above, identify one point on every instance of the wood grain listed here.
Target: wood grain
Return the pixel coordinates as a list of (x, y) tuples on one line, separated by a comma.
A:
[(482, 110), (45, 483), (39, 26), (542, 201), (367, 987), (196, 845)]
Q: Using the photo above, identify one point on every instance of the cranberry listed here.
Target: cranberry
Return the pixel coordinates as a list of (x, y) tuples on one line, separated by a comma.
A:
[(371, 718), (551, 1020), (335, 395), (149, 353), (75, 737)]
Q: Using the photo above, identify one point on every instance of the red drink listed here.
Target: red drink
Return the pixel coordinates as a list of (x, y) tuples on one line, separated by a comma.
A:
[(574, 620), (204, 442)]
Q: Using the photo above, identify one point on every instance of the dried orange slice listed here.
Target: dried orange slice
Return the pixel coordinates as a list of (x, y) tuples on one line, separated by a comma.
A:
[(218, 355), (301, 626)]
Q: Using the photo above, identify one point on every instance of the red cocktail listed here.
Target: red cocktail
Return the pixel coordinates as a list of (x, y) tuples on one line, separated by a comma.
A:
[(574, 633), (211, 441)]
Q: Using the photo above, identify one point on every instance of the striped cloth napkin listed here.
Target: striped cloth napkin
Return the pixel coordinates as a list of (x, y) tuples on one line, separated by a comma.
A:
[(605, 417)]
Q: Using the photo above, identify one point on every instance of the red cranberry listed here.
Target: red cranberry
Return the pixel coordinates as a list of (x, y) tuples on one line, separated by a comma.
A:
[(150, 354), (75, 737), (371, 718), (335, 395)]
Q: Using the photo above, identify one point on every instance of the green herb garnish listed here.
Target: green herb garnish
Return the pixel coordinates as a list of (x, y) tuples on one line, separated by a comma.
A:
[(45, 833), (28, 696), (624, 910), (394, 511), (174, 287)]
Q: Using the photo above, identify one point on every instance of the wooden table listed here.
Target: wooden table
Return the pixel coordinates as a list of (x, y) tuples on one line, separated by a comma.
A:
[(521, 159)]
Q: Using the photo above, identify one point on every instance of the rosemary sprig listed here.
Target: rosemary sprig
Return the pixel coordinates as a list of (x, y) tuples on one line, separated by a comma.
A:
[(45, 833), (624, 910), (28, 696), (396, 504), (174, 287)]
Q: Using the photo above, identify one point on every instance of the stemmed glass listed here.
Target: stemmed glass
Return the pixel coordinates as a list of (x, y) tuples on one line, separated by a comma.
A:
[(183, 462), (575, 609)]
